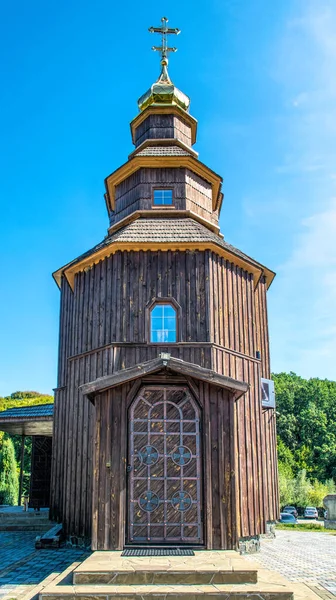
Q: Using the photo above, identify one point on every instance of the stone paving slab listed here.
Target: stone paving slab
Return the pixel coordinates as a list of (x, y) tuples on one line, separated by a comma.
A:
[(206, 567), (304, 557), (22, 567), (271, 590)]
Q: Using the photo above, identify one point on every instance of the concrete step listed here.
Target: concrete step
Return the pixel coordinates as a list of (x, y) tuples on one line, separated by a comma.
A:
[(174, 576), (5, 516), (246, 591), (168, 578), (39, 528), (25, 521), (206, 567)]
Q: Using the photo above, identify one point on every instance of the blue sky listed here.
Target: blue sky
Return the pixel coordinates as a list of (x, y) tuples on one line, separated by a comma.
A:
[(262, 82)]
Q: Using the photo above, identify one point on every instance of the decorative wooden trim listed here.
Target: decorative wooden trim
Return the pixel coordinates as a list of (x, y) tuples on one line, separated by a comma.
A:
[(174, 364), (176, 214), (148, 310), (70, 270), (161, 162), (178, 344), (165, 110), (194, 388), (133, 392)]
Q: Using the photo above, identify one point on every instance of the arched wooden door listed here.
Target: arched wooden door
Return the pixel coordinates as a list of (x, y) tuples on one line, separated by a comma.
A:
[(165, 467)]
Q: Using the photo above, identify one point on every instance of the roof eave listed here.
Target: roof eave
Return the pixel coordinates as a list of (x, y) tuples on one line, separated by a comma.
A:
[(97, 386), (88, 261), (138, 162)]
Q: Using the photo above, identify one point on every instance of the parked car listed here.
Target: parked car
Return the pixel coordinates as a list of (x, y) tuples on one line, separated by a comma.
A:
[(287, 517), (325, 514), (291, 510), (310, 512)]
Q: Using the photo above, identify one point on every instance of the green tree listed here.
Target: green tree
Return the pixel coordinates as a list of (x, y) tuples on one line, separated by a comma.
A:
[(286, 486), (18, 399), (317, 493), (302, 489), (306, 424), (9, 481)]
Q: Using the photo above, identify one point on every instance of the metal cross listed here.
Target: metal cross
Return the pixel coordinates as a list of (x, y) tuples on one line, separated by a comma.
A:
[(164, 48), (182, 456)]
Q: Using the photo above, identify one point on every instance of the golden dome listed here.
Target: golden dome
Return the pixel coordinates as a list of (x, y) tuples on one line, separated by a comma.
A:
[(163, 91)]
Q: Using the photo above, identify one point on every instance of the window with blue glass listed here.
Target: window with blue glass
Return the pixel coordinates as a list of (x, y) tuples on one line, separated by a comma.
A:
[(163, 324), (163, 197)]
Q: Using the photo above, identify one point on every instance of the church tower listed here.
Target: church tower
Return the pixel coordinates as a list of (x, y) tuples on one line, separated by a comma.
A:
[(160, 433)]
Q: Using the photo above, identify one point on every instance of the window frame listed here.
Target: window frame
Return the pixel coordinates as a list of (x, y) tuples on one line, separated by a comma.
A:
[(172, 302), (163, 206)]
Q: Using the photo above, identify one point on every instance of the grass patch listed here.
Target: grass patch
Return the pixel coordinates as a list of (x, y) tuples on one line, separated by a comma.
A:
[(302, 527)]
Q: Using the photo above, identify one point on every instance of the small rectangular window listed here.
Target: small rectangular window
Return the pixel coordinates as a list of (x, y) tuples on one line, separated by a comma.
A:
[(163, 197)]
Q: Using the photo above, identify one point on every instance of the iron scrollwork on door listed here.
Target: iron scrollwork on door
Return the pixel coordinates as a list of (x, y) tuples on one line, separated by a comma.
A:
[(165, 461)]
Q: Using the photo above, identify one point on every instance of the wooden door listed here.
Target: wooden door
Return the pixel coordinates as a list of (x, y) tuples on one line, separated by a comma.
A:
[(165, 467), (39, 496)]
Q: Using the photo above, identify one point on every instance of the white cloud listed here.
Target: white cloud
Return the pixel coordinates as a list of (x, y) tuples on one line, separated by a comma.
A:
[(316, 247), (303, 302)]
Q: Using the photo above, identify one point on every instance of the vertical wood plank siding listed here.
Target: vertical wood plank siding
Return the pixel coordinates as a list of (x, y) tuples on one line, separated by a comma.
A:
[(190, 192), (163, 127), (104, 328), (270, 460)]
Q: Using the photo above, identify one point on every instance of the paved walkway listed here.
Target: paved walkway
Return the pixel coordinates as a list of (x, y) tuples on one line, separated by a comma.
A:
[(22, 567), (307, 557), (304, 557)]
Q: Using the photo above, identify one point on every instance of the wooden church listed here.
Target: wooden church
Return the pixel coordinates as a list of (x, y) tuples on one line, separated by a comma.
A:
[(160, 433)]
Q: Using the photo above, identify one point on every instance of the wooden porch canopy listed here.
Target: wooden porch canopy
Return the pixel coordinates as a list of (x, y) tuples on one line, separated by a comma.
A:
[(168, 363), (28, 420)]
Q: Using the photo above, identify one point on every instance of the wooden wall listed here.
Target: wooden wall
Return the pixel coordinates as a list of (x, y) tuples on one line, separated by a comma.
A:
[(190, 192), (270, 457), (162, 127), (110, 299), (103, 329), (238, 320), (198, 197)]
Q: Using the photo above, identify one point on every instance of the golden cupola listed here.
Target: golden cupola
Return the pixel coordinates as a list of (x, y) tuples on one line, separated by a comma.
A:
[(163, 92)]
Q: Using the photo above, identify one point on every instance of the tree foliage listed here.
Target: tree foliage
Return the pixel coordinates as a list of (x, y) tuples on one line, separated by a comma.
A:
[(16, 400), (306, 424), (9, 481), (302, 492)]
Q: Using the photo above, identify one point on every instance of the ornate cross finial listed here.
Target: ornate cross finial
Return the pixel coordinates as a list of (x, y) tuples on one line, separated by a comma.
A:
[(164, 48)]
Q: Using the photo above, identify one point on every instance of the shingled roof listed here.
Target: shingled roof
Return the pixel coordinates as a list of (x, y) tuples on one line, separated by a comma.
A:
[(28, 420), (168, 230), (163, 151), (40, 410)]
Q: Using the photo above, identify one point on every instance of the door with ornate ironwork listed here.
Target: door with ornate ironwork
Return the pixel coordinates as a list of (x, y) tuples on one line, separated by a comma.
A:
[(165, 467)]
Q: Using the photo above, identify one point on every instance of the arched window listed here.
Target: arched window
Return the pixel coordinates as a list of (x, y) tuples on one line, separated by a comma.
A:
[(163, 327)]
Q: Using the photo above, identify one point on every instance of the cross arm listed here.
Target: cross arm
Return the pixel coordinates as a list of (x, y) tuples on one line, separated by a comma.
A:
[(176, 31), (160, 49)]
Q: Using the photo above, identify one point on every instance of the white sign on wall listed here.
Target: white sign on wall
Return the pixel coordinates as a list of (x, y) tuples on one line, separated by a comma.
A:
[(267, 393)]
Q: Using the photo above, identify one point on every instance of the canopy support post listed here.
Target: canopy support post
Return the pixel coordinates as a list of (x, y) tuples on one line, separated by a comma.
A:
[(21, 468)]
